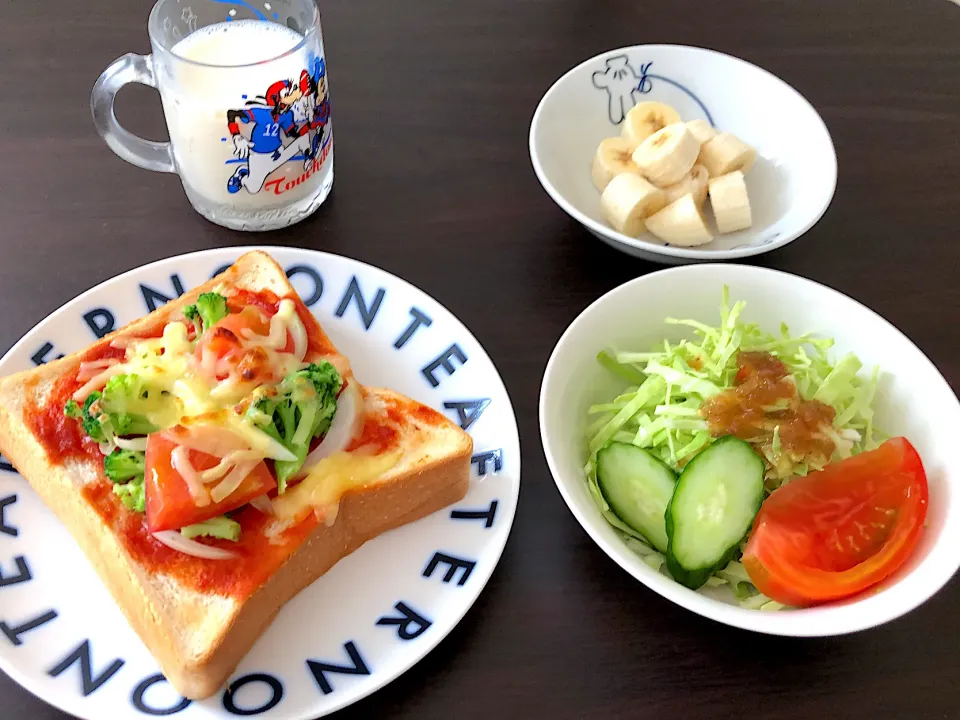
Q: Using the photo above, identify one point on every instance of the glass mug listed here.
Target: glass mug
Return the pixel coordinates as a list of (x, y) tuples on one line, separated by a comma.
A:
[(245, 95)]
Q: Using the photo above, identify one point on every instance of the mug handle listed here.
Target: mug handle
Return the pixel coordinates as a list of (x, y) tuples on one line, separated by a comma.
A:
[(147, 154)]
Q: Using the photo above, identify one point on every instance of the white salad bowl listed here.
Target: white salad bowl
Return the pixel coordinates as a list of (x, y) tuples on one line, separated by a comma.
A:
[(790, 185), (912, 399)]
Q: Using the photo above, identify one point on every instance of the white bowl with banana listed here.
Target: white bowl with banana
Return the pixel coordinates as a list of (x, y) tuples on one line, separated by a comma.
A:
[(679, 154)]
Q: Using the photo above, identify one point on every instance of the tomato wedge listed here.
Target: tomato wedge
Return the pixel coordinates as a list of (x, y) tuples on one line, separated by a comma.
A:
[(838, 531), (223, 341), (169, 503), (224, 337), (247, 319), (252, 319)]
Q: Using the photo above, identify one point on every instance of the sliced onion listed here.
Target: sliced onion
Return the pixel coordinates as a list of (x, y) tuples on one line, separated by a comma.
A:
[(263, 504), (108, 447), (330, 513), (208, 361), (279, 323), (276, 338), (232, 390), (278, 333), (276, 529), (299, 334), (91, 368), (346, 424), (210, 439), (250, 438), (123, 342), (219, 470), (227, 462), (850, 434), (275, 450), (252, 337), (173, 539), (138, 443), (96, 382), (219, 441), (180, 459), (233, 480)]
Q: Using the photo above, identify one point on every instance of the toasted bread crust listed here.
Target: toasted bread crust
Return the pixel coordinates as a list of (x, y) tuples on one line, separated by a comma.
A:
[(198, 639), (363, 516)]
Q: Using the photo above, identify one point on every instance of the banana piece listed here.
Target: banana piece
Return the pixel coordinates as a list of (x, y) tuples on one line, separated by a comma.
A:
[(730, 203), (725, 153), (667, 155), (613, 158), (627, 200), (694, 182), (646, 118), (680, 223), (701, 130)]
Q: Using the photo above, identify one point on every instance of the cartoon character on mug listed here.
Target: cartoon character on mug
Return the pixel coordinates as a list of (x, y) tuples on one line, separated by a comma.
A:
[(286, 112), (270, 123), (313, 85)]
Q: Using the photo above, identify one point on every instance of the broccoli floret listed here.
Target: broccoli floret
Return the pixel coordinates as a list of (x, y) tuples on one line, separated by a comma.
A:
[(209, 309), (125, 400), (212, 308), (192, 314), (302, 408), (124, 394), (219, 527), (118, 410), (132, 495), (125, 469), (88, 415), (92, 424), (73, 410), (123, 465), (124, 424)]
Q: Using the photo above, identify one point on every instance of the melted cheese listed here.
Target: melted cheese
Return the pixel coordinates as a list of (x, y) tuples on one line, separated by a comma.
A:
[(327, 482), (286, 313), (195, 396), (168, 364)]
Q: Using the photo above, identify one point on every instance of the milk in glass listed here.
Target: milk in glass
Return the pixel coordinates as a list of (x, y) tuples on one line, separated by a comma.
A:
[(249, 119)]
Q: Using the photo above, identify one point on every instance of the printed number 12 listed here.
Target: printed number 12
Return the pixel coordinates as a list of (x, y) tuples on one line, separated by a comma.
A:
[(272, 129)]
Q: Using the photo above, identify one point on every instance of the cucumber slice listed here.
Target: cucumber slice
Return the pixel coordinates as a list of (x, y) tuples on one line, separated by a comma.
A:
[(717, 497), (637, 486)]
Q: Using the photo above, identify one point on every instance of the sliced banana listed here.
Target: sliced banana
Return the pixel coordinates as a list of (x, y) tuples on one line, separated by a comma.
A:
[(627, 200), (701, 130), (730, 202), (646, 118), (680, 223), (667, 155), (694, 182), (725, 153), (613, 158)]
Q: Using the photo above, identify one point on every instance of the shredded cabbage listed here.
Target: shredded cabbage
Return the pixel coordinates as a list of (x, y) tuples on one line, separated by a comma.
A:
[(660, 411)]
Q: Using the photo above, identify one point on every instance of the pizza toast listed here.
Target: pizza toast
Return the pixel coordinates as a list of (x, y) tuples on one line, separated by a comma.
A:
[(239, 403)]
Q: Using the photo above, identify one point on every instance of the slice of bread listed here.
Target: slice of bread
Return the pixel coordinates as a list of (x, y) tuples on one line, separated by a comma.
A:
[(197, 637)]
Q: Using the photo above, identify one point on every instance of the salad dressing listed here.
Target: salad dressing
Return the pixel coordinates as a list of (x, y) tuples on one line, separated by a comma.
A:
[(764, 404)]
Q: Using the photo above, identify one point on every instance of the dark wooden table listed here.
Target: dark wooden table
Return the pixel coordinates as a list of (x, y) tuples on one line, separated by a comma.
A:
[(433, 102)]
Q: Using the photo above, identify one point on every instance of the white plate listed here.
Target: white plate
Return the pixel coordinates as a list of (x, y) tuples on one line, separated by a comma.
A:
[(336, 616), (912, 400), (790, 185)]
